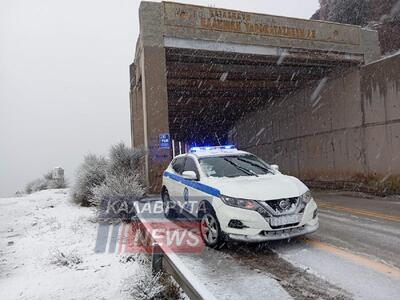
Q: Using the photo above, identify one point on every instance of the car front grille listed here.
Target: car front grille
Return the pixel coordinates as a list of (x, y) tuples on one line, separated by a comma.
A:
[(274, 204), (283, 206), (284, 226)]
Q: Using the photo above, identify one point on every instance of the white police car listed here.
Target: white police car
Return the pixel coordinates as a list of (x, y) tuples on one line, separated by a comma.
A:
[(237, 196)]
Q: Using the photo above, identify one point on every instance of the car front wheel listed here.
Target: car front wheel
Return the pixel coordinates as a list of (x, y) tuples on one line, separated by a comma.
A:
[(210, 229), (168, 205)]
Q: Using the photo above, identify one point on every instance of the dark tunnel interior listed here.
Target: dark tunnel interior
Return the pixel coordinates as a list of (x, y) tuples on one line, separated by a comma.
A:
[(209, 91)]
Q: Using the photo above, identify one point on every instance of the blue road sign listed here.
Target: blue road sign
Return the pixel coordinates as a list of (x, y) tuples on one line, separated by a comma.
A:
[(164, 141)]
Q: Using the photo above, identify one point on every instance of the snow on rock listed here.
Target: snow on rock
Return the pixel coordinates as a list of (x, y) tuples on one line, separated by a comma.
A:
[(47, 251)]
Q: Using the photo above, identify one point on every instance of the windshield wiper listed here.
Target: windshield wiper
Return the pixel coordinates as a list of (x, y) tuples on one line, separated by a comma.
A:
[(244, 170), (254, 164), (252, 172)]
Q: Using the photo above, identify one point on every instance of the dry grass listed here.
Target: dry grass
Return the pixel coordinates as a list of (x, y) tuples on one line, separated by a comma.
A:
[(371, 184), (172, 291), (67, 258)]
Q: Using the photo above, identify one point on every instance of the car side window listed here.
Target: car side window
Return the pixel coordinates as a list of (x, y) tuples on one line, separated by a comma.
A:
[(190, 165), (178, 165)]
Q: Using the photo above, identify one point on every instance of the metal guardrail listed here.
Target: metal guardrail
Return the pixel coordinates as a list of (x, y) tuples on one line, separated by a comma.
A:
[(162, 260), (173, 265)]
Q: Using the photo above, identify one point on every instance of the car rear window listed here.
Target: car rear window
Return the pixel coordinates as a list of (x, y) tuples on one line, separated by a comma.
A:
[(178, 164), (190, 165)]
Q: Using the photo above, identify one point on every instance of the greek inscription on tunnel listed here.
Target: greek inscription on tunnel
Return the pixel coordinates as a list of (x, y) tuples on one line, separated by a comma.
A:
[(232, 21)]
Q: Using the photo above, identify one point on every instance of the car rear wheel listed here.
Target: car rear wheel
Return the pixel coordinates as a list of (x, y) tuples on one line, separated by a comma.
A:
[(210, 229), (168, 205)]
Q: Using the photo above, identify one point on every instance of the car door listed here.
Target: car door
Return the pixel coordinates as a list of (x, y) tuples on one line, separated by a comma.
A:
[(191, 195), (175, 186)]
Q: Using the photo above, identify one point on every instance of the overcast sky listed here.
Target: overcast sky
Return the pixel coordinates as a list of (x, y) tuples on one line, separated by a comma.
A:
[(64, 80)]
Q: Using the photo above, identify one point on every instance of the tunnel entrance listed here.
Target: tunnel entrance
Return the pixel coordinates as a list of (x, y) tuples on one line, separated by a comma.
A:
[(198, 70), (209, 91)]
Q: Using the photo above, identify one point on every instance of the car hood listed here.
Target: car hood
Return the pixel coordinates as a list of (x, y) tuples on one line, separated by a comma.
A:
[(266, 187)]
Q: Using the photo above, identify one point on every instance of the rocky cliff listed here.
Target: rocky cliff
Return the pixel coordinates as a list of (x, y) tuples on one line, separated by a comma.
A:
[(381, 15)]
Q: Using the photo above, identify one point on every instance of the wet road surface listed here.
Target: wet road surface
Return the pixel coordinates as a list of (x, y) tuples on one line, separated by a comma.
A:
[(370, 226), (354, 255)]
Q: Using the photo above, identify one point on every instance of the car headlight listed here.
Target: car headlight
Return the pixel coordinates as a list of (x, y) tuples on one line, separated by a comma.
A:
[(306, 197), (240, 203)]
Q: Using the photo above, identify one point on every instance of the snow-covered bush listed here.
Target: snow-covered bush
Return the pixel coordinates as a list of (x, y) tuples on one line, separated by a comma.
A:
[(36, 185), (45, 183), (118, 187), (119, 178), (125, 161), (143, 285), (123, 182), (68, 258), (56, 184), (91, 173), (48, 176)]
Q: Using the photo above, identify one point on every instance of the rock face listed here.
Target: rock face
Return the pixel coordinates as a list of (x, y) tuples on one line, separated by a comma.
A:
[(389, 36), (381, 15)]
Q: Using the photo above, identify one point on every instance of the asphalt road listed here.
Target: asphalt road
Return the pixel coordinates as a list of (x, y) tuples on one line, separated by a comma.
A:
[(369, 226), (356, 249), (355, 254)]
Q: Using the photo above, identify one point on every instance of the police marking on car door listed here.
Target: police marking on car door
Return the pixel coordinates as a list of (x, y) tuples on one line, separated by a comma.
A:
[(187, 205)]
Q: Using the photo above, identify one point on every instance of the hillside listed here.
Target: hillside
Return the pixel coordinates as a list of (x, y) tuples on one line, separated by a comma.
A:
[(381, 15), (47, 251)]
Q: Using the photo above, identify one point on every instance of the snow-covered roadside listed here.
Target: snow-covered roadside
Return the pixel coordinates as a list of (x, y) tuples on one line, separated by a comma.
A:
[(32, 228)]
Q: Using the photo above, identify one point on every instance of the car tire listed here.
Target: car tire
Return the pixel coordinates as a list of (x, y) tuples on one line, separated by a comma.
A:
[(168, 206), (210, 229)]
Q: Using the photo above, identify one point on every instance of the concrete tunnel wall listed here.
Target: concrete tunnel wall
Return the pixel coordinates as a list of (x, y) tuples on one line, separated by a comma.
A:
[(168, 25), (350, 128)]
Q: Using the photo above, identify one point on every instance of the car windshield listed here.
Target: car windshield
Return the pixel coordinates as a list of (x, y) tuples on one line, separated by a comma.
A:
[(234, 166)]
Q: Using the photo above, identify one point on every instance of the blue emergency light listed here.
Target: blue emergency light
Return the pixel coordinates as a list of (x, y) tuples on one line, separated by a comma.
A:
[(211, 148)]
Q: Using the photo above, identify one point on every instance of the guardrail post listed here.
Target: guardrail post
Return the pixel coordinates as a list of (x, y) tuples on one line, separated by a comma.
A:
[(156, 258)]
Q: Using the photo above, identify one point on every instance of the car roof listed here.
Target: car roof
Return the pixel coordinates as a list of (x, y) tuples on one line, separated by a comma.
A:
[(213, 153)]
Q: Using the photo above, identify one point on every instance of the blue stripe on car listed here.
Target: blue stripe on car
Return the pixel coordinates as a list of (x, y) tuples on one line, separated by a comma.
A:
[(194, 184)]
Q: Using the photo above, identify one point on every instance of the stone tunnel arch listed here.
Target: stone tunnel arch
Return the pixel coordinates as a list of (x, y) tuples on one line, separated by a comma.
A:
[(198, 70)]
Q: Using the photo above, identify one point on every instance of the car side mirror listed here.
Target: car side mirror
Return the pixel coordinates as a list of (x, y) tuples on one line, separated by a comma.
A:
[(190, 175), (275, 168)]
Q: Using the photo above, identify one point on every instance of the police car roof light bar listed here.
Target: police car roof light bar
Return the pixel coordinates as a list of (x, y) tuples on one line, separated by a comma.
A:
[(210, 148)]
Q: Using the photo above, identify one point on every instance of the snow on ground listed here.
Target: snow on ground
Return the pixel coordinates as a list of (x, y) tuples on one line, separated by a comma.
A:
[(222, 276), (362, 282), (35, 227), (226, 279)]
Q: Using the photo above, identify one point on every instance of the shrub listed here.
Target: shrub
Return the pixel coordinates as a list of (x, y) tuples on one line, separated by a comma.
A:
[(124, 160), (123, 183), (172, 291), (147, 285), (143, 285), (119, 192), (57, 184), (117, 179), (91, 173), (36, 185), (68, 259), (118, 187), (48, 176), (45, 183)]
